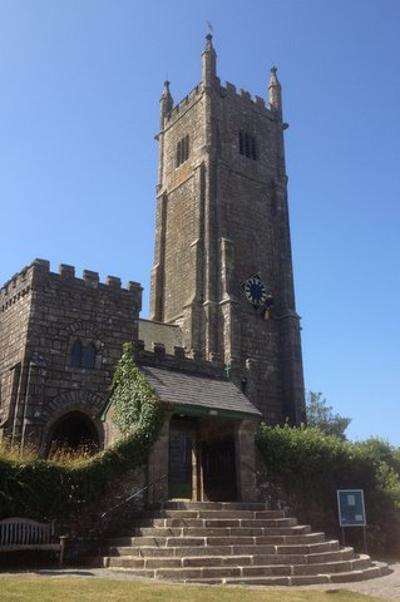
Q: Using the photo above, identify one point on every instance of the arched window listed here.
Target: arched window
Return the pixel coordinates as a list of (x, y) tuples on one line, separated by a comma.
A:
[(76, 354), (88, 356), (83, 356)]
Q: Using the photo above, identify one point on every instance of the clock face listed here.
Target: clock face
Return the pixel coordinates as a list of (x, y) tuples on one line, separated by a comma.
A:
[(255, 290)]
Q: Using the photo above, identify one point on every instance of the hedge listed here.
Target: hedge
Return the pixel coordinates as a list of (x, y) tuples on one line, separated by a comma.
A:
[(306, 467)]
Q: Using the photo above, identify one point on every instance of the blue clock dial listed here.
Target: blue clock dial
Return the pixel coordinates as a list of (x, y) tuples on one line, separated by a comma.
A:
[(255, 290)]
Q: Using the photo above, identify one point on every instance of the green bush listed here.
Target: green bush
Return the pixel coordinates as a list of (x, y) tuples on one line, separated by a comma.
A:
[(47, 489), (306, 467)]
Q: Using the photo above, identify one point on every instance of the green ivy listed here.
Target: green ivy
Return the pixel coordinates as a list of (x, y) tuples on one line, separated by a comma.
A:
[(133, 399), (46, 489)]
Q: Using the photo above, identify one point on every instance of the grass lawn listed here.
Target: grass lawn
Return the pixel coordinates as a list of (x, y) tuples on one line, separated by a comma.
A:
[(71, 589)]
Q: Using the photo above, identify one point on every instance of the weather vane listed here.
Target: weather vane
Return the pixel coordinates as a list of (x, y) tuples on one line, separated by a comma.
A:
[(210, 27)]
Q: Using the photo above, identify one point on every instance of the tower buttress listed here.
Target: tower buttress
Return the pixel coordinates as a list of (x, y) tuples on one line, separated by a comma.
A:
[(211, 250), (289, 320), (157, 276)]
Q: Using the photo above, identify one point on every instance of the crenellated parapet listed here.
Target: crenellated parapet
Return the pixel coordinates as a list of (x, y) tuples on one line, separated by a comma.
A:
[(244, 97), (39, 272), (228, 90), (182, 106), (16, 288), (182, 360)]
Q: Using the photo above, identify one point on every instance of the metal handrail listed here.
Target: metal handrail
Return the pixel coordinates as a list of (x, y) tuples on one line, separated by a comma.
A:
[(133, 495)]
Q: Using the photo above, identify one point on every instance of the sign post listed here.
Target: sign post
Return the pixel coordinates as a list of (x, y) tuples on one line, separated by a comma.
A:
[(351, 511)]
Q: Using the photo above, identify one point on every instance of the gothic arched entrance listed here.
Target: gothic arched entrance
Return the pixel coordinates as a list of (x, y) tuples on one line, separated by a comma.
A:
[(73, 432)]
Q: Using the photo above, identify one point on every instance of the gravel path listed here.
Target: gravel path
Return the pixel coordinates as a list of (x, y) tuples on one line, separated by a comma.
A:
[(386, 588)]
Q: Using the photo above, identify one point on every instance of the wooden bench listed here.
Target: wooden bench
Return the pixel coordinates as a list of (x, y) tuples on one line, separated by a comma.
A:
[(25, 534)]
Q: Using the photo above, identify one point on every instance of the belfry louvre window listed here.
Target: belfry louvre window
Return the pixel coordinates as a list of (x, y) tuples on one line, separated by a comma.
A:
[(247, 145), (182, 151)]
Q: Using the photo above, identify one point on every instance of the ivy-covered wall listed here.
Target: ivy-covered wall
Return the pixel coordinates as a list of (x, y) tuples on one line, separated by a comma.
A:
[(44, 489)]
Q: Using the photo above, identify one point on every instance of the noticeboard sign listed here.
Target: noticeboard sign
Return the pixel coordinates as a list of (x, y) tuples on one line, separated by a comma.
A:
[(351, 508)]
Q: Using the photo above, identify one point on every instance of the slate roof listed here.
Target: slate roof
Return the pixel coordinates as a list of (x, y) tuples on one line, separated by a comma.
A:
[(156, 332), (198, 391)]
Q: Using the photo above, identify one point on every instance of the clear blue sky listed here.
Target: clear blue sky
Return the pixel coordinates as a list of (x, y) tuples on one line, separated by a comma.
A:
[(79, 87)]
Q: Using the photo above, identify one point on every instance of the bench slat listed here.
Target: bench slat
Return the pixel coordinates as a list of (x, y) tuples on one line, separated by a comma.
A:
[(26, 534), (21, 531)]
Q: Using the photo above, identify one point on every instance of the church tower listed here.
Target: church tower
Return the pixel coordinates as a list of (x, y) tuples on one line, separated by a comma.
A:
[(223, 265)]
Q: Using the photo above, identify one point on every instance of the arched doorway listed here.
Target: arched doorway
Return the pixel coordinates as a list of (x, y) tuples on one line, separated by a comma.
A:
[(74, 432), (202, 459)]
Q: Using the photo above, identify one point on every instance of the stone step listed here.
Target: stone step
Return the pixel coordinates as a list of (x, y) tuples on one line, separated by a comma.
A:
[(224, 572), (272, 581), (268, 559), (226, 532), (199, 549), (337, 566), (188, 505), (286, 544), (311, 548), (221, 523), (223, 542), (346, 553), (218, 561), (184, 551), (218, 557), (377, 569), (220, 514), (345, 577)]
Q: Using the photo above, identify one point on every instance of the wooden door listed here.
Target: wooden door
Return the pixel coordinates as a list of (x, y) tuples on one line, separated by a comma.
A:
[(180, 461), (219, 470)]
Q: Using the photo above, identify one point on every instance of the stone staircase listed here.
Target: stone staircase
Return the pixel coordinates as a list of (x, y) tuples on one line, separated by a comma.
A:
[(224, 542)]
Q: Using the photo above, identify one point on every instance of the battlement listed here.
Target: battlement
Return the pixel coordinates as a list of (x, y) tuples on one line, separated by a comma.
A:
[(258, 102), (227, 90), (184, 104), (15, 288), (181, 359), (20, 284)]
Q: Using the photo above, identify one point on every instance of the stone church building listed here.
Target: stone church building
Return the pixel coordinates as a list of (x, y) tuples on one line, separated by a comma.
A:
[(222, 344)]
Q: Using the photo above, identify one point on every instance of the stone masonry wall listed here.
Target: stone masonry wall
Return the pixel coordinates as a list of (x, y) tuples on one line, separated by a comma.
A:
[(62, 309), (246, 206), (182, 200), (15, 301), (221, 218)]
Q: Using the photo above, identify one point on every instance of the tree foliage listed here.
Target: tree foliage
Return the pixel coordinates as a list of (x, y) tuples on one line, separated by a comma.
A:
[(320, 415)]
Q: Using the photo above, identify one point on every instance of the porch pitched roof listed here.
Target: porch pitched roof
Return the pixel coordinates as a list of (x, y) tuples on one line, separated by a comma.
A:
[(200, 392)]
